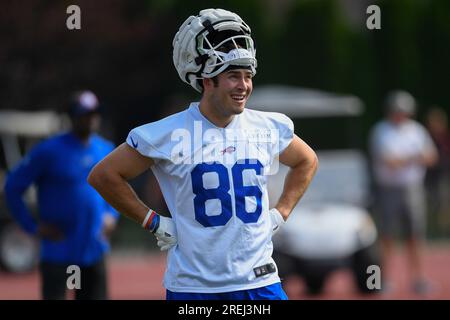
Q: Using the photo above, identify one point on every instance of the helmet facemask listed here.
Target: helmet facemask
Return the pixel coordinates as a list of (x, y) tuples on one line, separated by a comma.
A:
[(234, 49)]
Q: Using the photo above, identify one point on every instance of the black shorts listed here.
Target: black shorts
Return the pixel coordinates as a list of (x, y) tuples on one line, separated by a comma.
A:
[(92, 279)]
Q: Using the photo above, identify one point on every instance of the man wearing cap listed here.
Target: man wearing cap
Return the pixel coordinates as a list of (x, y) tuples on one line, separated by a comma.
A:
[(73, 221), (401, 150)]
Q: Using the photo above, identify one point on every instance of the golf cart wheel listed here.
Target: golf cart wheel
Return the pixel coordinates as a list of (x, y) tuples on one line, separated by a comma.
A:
[(362, 259), (18, 251), (315, 284)]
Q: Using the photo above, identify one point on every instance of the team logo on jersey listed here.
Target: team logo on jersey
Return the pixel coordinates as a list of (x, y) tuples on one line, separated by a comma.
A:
[(229, 149), (195, 145)]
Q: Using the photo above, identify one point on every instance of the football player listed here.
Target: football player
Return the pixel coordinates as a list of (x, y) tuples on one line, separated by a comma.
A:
[(211, 161)]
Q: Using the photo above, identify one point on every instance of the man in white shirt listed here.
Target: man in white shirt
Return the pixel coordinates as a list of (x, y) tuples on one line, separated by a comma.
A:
[(211, 161), (401, 151)]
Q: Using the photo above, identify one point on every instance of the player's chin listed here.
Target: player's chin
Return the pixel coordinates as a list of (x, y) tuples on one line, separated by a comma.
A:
[(238, 105)]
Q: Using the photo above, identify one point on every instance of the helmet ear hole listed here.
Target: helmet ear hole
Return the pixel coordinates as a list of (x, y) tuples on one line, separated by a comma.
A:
[(187, 57)]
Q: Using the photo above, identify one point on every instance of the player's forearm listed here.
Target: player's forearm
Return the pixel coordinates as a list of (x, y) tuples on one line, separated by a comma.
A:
[(118, 193), (295, 184)]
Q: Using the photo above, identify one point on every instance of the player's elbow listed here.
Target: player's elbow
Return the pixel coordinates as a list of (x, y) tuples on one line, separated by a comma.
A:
[(98, 176), (312, 162), (308, 159), (307, 164)]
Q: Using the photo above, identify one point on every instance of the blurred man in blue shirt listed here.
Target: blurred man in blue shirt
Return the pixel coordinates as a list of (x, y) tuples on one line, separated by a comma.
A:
[(74, 221)]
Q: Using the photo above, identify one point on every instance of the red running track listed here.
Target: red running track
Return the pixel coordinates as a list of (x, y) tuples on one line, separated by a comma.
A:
[(139, 277)]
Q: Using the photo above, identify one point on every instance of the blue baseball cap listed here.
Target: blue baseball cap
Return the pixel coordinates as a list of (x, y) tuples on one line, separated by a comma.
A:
[(83, 102)]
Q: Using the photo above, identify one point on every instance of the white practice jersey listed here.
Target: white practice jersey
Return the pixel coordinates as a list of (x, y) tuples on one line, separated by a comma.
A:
[(214, 183)]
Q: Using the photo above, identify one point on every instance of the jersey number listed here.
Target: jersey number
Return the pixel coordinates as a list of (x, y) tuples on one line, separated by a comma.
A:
[(222, 192)]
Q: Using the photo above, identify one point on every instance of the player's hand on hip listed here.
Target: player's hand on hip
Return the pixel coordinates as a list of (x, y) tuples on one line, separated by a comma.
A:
[(166, 233), (163, 228), (277, 220)]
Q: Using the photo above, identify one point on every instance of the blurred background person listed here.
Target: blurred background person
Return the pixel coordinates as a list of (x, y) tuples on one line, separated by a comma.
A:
[(74, 222), (438, 176), (41, 62), (401, 150)]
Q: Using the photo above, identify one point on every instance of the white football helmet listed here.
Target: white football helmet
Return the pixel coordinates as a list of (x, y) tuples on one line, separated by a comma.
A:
[(207, 44)]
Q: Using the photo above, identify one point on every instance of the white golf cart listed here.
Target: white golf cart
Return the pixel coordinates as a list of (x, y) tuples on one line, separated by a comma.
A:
[(331, 227)]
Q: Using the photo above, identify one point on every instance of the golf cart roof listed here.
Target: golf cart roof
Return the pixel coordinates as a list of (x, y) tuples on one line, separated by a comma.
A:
[(304, 102), (30, 125), (35, 124)]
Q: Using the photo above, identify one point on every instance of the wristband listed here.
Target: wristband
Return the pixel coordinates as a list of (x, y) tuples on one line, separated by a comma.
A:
[(151, 221)]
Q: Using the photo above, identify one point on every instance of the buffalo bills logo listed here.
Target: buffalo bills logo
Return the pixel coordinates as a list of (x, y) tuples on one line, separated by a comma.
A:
[(229, 149)]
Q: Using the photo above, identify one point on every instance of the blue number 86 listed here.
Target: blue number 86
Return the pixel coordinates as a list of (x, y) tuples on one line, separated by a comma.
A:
[(222, 192)]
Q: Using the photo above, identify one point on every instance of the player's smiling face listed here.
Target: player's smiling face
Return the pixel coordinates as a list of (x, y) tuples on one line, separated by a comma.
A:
[(233, 90), (226, 96)]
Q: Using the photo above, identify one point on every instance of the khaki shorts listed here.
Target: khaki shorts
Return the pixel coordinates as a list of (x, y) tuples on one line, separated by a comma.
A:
[(402, 208)]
